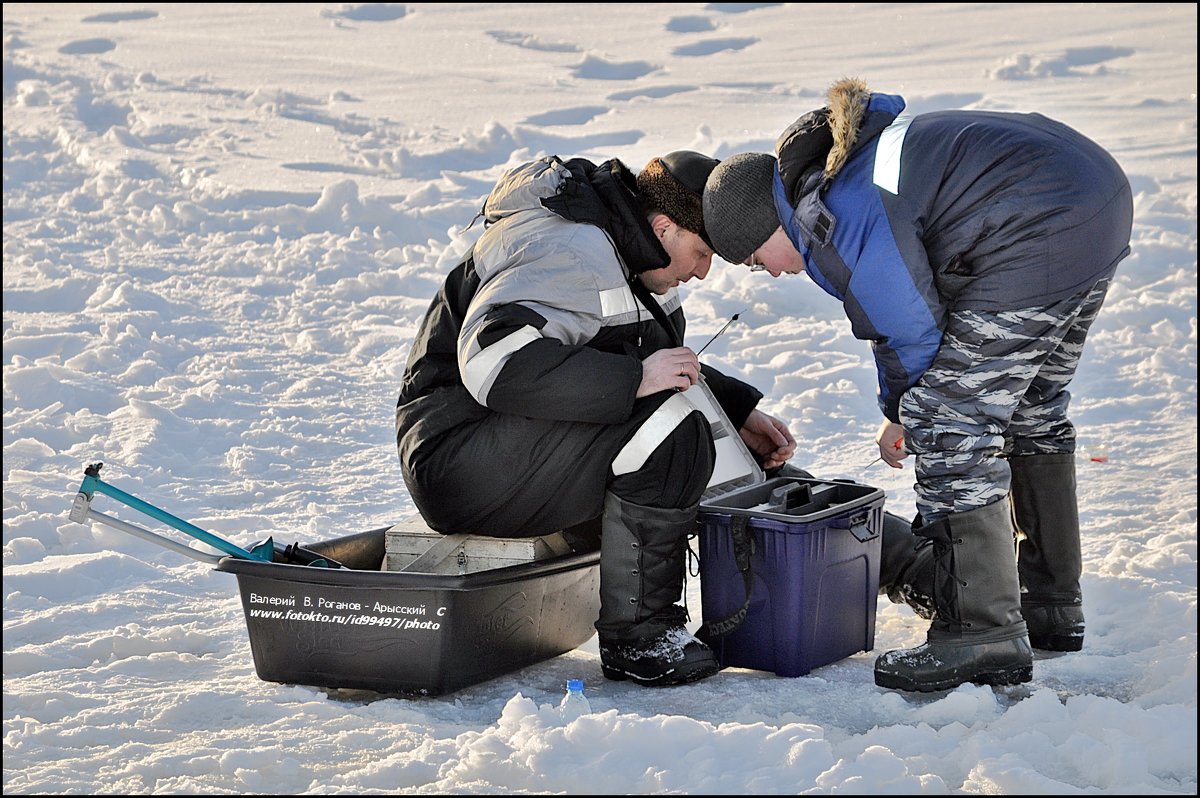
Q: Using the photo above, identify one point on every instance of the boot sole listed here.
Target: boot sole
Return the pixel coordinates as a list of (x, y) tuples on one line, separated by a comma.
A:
[(1057, 643), (1008, 676), (668, 679)]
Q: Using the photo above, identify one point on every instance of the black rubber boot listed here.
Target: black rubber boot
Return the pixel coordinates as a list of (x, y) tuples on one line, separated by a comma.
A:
[(906, 566), (642, 632), (978, 634), (1046, 514)]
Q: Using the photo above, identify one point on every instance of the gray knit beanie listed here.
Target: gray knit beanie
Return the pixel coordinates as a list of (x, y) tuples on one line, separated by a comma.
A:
[(739, 206)]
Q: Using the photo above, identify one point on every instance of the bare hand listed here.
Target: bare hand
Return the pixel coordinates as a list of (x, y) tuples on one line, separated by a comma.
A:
[(669, 369), (768, 437), (890, 438)]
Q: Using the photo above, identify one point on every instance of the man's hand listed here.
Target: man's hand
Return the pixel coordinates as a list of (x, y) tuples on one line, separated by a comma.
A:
[(669, 369), (768, 437), (890, 438)]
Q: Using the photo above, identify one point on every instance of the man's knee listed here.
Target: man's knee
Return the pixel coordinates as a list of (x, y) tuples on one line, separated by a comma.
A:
[(673, 462)]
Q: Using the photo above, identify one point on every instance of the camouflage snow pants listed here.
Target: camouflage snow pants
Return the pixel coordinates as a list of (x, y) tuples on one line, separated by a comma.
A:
[(997, 387)]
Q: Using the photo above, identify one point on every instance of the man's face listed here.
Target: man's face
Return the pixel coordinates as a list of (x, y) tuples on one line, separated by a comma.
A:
[(690, 257), (777, 256)]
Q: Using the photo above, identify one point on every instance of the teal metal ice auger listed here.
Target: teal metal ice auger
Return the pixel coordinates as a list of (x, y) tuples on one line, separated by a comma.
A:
[(82, 510), (92, 484)]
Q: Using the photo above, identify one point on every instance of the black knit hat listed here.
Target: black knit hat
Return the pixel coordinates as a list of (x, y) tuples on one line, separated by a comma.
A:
[(739, 205), (674, 184)]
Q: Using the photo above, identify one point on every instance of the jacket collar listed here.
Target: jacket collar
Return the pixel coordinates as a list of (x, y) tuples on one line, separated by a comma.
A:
[(822, 141), (815, 148)]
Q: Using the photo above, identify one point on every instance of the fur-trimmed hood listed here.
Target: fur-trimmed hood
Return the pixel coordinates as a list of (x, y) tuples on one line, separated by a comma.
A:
[(814, 148), (847, 107)]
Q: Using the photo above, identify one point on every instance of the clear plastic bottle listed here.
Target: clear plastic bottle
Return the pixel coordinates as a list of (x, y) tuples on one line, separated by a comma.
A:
[(574, 703)]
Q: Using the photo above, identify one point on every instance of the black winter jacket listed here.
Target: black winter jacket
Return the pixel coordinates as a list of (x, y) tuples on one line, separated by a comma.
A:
[(541, 318)]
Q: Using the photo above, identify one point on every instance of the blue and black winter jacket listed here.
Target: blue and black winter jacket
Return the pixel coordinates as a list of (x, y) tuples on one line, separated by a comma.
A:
[(908, 218)]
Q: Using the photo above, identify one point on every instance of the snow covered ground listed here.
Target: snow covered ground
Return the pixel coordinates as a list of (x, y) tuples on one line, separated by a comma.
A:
[(222, 224)]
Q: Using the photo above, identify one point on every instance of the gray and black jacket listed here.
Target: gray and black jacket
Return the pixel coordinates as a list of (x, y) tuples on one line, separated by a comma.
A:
[(905, 218), (543, 319)]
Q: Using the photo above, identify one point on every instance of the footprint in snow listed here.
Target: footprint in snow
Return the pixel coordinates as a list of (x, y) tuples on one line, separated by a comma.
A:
[(593, 68), (1075, 61), (652, 92), (739, 8), (715, 46), (122, 16), (88, 47), (531, 42), (369, 12), (690, 25), (568, 116)]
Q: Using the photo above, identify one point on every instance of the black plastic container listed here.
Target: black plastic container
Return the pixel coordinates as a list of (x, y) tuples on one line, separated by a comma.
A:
[(815, 561), (410, 633)]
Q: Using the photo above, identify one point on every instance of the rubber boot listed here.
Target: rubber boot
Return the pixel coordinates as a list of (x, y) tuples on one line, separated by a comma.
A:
[(641, 628), (978, 634), (906, 566), (1046, 515)]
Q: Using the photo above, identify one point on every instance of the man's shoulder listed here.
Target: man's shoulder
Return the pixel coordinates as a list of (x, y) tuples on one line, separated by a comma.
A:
[(543, 246), (524, 188)]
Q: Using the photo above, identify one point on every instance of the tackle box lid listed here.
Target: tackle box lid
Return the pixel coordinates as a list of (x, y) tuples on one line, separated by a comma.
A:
[(736, 466), (795, 500)]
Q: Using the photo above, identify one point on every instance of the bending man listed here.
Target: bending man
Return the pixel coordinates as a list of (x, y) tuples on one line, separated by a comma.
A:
[(973, 250)]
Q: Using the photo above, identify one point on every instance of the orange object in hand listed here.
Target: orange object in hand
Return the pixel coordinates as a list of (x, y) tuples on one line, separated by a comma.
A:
[(898, 445)]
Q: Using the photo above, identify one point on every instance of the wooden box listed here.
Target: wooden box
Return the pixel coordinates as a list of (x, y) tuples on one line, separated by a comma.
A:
[(413, 547)]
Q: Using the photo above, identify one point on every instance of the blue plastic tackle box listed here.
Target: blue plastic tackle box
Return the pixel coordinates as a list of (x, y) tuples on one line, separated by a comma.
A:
[(814, 551)]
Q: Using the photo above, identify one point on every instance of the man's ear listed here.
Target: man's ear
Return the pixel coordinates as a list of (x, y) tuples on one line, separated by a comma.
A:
[(659, 222)]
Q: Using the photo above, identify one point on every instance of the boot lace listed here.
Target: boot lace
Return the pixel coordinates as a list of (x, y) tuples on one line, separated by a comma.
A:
[(945, 580)]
